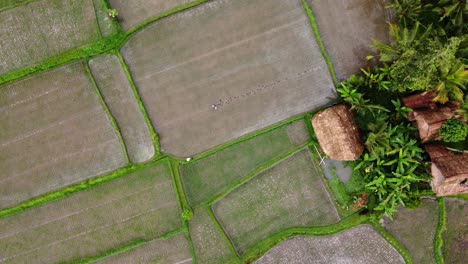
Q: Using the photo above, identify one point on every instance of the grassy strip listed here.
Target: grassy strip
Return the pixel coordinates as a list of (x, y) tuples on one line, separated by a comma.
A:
[(392, 241), (108, 112), (127, 247), (72, 189), (192, 248), (226, 238), (153, 134), (441, 226), (255, 173), (244, 138), (187, 212), (313, 24), (84, 52), (170, 12), (13, 4), (261, 248)]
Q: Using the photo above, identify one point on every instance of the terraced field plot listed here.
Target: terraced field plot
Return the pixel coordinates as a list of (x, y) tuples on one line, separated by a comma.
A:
[(38, 30), (134, 12), (346, 28), (54, 132), (171, 250), (416, 229), (290, 194), (455, 238), (222, 70), (211, 247), (118, 95), (359, 245), (207, 178), (141, 206)]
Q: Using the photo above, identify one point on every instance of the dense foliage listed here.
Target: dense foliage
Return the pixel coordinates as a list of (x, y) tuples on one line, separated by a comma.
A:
[(453, 130), (428, 51)]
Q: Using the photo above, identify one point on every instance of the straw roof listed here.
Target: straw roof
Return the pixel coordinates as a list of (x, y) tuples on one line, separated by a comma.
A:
[(337, 133), (449, 170)]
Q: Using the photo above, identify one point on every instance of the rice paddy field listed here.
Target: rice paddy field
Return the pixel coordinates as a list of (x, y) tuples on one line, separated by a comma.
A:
[(416, 230), (141, 206), (218, 59), (282, 197), (41, 29), (118, 95), (359, 245), (179, 132)]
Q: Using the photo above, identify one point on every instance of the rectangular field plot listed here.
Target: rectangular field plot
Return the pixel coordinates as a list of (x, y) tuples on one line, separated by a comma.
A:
[(346, 29), (224, 69), (290, 194), (54, 132), (205, 179), (359, 245), (455, 237), (172, 250), (35, 31), (141, 206), (416, 229), (208, 241), (134, 12), (118, 95)]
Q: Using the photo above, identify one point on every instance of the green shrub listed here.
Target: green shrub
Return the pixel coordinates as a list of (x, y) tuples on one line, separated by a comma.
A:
[(453, 130)]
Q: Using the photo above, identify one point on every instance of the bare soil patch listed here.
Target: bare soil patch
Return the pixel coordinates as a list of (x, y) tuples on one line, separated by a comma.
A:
[(41, 29), (225, 69), (359, 245), (54, 132), (118, 95), (134, 12), (290, 194), (172, 250), (208, 241), (416, 229), (346, 29), (142, 205), (456, 236), (209, 177)]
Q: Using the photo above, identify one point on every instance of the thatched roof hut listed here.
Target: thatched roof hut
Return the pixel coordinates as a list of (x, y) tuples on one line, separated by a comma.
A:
[(338, 133), (428, 115), (449, 170)]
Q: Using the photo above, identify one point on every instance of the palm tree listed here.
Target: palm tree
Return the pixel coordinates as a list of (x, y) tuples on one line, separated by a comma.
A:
[(402, 40), (452, 80)]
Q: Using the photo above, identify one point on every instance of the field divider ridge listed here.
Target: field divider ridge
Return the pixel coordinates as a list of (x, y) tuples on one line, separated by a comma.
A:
[(268, 243), (153, 134), (241, 139), (168, 13), (112, 120), (254, 173), (75, 188), (16, 4), (185, 210), (392, 241), (316, 32), (441, 227), (128, 247), (226, 237)]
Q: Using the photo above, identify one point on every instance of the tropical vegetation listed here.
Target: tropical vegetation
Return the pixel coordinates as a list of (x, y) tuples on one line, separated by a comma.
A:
[(428, 51)]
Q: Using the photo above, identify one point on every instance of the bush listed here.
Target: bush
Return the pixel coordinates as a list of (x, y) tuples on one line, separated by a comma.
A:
[(453, 130)]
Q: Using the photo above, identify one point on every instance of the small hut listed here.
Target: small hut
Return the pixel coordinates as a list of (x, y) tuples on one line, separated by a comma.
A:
[(449, 170), (338, 133), (428, 115)]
